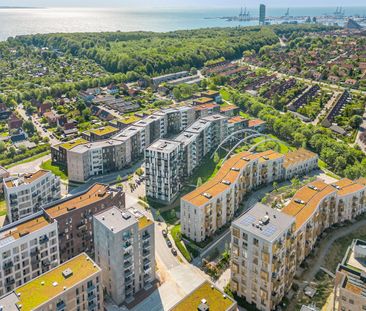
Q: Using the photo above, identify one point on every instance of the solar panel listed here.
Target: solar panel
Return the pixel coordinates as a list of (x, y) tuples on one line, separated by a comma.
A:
[(268, 230), (248, 220)]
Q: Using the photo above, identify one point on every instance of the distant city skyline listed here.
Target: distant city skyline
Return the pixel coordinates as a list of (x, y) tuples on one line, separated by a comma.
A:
[(177, 3)]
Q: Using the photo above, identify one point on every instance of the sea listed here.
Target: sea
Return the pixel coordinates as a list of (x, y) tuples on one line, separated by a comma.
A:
[(24, 21)]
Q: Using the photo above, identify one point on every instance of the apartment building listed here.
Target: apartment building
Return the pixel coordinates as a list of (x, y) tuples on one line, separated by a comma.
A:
[(263, 260), (26, 194), (235, 124), (125, 251), (74, 285), (300, 162), (74, 217), (206, 297), (211, 206), (59, 151), (28, 248), (314, 207), (350, 280), (163, 161), (101, 133), (85, 160)]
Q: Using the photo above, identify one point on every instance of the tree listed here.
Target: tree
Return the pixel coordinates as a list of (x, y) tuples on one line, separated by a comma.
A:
[(216, 157), (199, 182), (275, 185), (2, 146), (139, 172), (29, 127), (86, 114), (355, 121)]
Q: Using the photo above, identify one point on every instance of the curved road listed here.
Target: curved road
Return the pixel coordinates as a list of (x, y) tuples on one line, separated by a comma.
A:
[(321, 252)]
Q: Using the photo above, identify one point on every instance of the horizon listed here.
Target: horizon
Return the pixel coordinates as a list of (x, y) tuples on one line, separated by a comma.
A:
[(166, 4)]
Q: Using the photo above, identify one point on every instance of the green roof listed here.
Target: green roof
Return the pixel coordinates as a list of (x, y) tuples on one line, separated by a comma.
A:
[(129, 119), (50, 284), (215, 299), (104, 130), (71, 144)]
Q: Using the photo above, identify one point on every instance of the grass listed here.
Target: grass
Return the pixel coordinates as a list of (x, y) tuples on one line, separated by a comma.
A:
[(33, 293), (323, 167), (104, 130), (170, 216), (280, 146), (225, 94), (339, 248), (37, 156), (177, 237), (58, 171), (214, 298), (72, 144), (324, 287), (3, 208)]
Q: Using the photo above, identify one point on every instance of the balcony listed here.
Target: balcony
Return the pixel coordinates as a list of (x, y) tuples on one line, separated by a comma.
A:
[(8, 265), (60, 305), (43, 239), (127, 264), (145, 236), (127, 256), (9, 282), (91, 287)]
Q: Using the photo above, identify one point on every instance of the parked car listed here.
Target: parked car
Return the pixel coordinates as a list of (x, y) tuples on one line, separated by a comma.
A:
[(169, 243), (174, 251), (165, 233)]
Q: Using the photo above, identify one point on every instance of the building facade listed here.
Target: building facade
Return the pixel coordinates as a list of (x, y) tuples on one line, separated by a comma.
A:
[(28, 248), (74, 285), (25, 195), (74, 217), (125, 251), (314, 208)]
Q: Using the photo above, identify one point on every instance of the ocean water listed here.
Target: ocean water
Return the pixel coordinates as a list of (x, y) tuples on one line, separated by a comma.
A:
[(15, 22)]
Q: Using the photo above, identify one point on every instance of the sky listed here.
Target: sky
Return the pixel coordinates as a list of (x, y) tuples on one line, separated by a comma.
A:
[(180, 3)]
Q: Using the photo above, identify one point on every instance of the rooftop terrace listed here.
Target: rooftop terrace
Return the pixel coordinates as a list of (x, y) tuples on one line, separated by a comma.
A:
[(52, 283), (25, 179), (215, 299)]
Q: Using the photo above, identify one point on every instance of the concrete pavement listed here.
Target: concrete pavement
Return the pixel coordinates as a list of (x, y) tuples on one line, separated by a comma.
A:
[(29, 167)]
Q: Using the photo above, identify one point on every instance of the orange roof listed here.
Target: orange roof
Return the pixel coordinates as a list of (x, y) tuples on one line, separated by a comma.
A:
[(204, 100), (297, 156), (228, 108), (205, 106), (361, 181), (26, 227), (216, 186), (310, 200), (236, 119), (353, 288), (96, 193), (255, 122), (28, 178), (348, 186)]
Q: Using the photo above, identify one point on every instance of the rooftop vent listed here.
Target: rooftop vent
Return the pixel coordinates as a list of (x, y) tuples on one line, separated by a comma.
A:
[(203, 306), (67, 273), (265, 220), (245, 159), (265, 158), (298, 201), (126, 216), (71, 208), (54, 284), (313, 187), (337, 187), (207, 195), (235, 169), (226, 182)]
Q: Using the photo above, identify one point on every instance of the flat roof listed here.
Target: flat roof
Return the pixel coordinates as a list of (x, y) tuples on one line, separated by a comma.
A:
[(214, 117), (186, 138), (50, 284), (265, 222), (129, 119), (105, 130), (22, 228), (255, 122), (163, 145), (205, 106), (97, 192), (198, 126), (25, 179), (224, 108), (237, 119), (216, 300), (226, 176), (118, 220), (71, 144), (204, 100)]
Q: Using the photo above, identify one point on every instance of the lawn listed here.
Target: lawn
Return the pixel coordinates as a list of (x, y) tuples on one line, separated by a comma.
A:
[(54, 169), (280, 147), (177, 237), (37, 156), (324, 287), (2, 208), (225, 94), (339, 247)]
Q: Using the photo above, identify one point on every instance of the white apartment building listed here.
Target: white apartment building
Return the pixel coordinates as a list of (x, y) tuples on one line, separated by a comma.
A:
[(28, 248), (300, 162), (73, 286), (26, 194), (125, 251), (262, 256), (163, 162), (313, 208), (211, 206)]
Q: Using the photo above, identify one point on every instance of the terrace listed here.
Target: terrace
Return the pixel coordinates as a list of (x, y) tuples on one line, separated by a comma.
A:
[(53, 283)]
